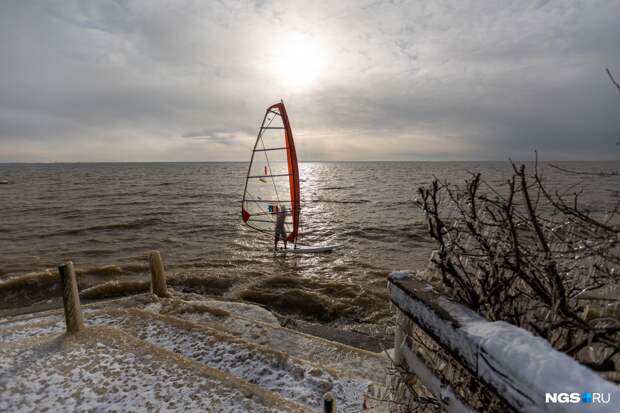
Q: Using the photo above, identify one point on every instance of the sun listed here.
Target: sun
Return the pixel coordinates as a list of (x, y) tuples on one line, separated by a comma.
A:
[(298, 61)]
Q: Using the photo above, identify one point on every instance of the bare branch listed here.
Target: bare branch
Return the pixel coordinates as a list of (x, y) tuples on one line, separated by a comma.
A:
[(526, 255), (612, 79)]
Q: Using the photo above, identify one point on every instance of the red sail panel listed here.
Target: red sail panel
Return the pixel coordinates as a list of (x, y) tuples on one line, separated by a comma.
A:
[(293, 170)]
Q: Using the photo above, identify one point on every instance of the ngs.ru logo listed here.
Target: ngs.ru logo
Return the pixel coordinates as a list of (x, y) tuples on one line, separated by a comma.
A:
[(577, 398)]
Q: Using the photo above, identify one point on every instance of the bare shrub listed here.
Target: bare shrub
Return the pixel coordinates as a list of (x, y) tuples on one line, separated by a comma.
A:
[(531, 257)]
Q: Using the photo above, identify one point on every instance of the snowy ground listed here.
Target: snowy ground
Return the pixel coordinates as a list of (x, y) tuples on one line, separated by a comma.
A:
[(105, 370), (216, 335)]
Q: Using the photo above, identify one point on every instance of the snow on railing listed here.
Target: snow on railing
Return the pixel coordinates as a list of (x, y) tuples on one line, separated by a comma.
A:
[(522, 370)]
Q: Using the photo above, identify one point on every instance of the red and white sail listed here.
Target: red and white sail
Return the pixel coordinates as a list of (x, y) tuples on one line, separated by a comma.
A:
[(273, 176)]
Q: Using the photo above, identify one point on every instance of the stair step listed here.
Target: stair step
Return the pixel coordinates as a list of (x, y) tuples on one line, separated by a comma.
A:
[(293, 378), (362, 363), (103, 368)]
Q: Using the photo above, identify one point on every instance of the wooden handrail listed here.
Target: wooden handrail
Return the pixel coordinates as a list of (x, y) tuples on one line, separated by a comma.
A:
[(515, 365)]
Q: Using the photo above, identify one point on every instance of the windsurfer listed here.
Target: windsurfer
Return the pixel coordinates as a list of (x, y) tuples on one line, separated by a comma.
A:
[(280, 229)]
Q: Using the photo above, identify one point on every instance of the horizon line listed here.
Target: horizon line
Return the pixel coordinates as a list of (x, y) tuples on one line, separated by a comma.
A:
[(308, 161)]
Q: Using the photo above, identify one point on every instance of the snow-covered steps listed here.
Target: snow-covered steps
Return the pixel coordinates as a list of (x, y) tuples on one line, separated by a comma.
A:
[(105, 369), (238, 339), (258, 328), (274, 370)]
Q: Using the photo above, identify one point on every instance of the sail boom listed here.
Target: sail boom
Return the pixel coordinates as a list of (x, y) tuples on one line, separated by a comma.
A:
[(268, 176), (270, 149), (271, 221), (271, 201)]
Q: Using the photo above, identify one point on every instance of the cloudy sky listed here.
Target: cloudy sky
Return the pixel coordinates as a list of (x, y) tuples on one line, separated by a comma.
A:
[(151, 80)]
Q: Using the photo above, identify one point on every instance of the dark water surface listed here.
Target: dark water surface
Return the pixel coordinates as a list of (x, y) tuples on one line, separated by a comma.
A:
[(106, 217)]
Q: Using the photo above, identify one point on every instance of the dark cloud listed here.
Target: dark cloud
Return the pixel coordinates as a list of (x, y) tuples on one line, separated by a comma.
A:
[(395, 79)]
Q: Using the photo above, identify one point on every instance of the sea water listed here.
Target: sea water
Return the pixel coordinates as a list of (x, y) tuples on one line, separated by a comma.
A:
[(106, 217)]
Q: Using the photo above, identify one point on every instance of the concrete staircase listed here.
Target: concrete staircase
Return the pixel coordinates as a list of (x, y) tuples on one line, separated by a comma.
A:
[(238, 345)]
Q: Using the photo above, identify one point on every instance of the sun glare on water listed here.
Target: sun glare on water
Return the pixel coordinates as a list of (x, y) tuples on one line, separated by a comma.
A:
[(299, 62)]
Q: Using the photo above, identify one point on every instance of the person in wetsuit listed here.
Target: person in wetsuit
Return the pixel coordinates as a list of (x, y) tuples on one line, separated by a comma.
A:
[(280, 228)]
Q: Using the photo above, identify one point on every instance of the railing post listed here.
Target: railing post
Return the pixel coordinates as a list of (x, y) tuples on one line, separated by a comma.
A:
[(70, 298), (329, 403), (403, 328), (158, 275)]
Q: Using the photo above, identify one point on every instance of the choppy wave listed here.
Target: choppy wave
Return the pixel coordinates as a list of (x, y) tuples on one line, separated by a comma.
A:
[(336, 188), (387, 234), (137, 224), (338, 201), (115, 288)]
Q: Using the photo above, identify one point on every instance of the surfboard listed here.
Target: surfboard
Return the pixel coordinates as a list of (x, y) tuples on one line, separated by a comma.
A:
[(272, 187), (305, 249)]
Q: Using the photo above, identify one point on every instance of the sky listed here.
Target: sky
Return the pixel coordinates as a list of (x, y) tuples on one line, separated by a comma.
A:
[(154, 80)]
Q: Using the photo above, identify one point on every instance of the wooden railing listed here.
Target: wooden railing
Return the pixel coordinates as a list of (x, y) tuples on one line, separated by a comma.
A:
[(522, 370)]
